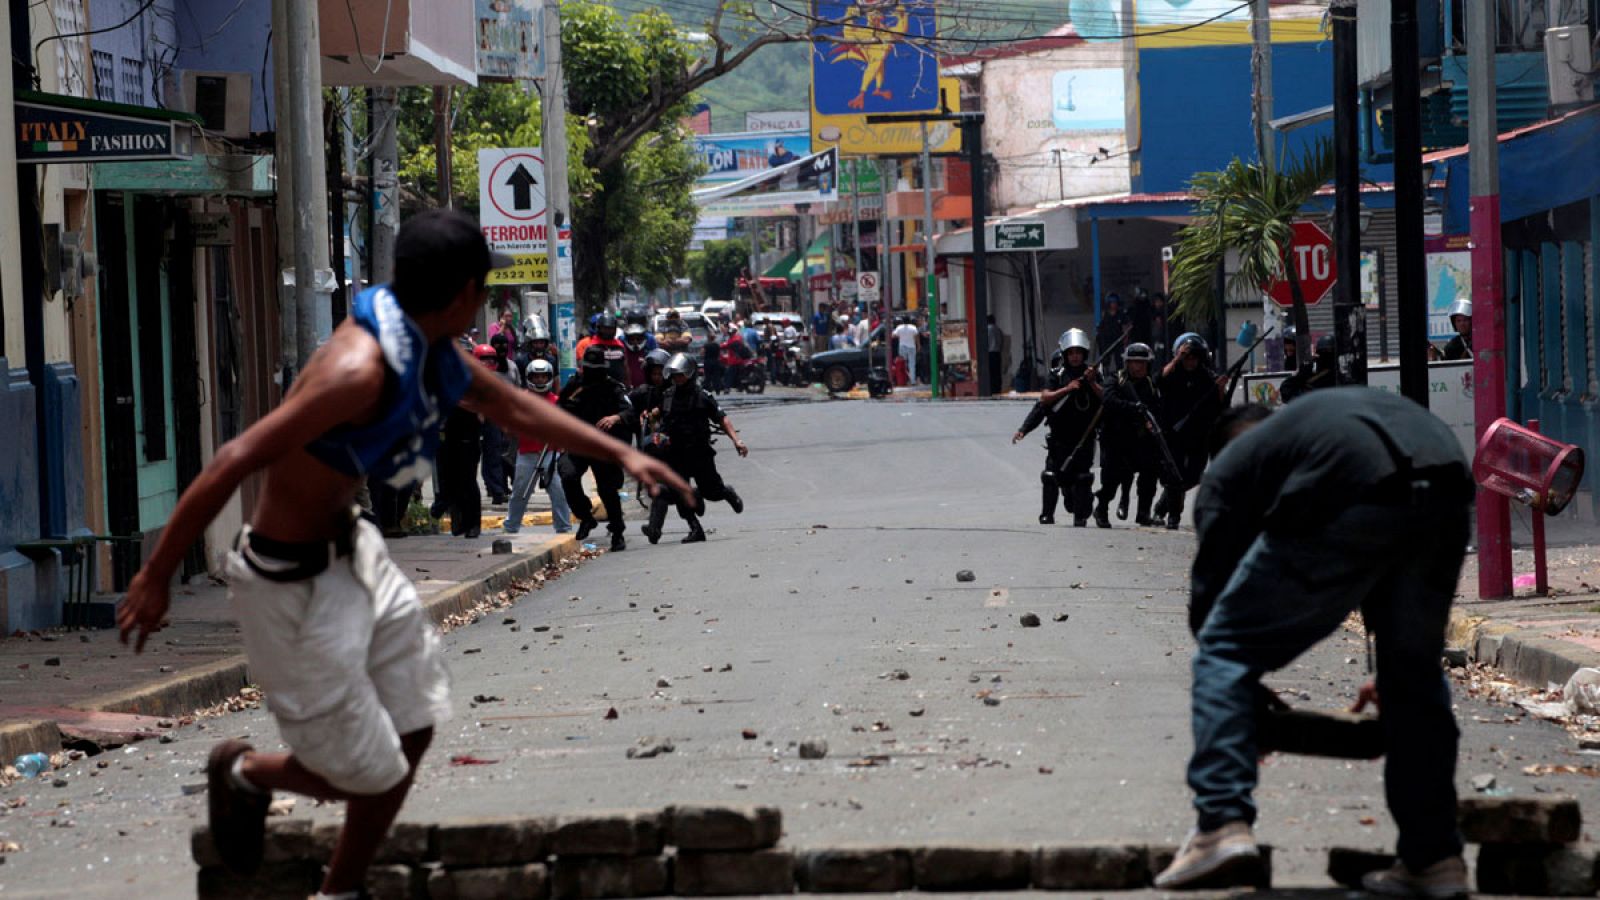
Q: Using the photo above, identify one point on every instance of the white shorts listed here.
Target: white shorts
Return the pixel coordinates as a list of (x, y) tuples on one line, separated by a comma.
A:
[(348, 662)]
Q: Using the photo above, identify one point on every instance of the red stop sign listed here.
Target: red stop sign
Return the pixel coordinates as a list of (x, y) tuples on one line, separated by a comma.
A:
[(1312, 259)]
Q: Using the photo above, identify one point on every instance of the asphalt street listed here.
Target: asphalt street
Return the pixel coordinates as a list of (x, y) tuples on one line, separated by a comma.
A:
[(830, 610)]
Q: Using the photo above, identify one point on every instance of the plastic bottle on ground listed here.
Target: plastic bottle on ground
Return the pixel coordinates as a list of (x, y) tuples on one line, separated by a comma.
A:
[(29, 765)]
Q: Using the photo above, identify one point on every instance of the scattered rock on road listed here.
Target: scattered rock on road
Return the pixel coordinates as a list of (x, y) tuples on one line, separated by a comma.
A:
[(966, 575), (649, 748), (813, 749), (1060, 617), (1029, 620), (1483, 783)]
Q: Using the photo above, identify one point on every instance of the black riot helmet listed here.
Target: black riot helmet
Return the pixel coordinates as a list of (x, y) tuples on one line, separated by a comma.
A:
[(1138, 351), (594, 357)]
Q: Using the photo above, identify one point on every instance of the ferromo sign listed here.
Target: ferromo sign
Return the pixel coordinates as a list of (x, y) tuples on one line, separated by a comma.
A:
[(53, 129)]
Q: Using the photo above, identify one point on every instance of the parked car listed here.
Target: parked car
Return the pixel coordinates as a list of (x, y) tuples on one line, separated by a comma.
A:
[(840, 370), (699, 331), (722, 308)]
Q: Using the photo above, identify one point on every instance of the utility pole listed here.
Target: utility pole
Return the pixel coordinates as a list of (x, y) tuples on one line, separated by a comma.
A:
[(553, 118), (312, 274), (885, 269), (1349, 318), (972, 137), (385, 183), (334, 124), (1408, 199), (283, 165), (1261, 74), (1488, 291), (443, 160), (930, 295)]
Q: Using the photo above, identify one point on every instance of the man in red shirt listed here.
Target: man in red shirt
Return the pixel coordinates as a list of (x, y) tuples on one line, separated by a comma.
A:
[(605, 335)]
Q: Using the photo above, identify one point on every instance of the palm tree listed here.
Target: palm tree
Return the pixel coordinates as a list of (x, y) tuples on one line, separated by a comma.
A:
[(1249, 208)]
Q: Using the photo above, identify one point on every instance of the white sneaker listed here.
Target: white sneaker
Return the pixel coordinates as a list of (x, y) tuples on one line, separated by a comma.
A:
[(1445, 878), (1227, 856)]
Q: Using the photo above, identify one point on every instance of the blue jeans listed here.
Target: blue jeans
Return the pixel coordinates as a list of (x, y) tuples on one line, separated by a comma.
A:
[(1399, 565), (522, 489)]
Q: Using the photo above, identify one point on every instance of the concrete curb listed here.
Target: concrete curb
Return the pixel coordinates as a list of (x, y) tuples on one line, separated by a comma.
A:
[(1528, 656), (184, 692)]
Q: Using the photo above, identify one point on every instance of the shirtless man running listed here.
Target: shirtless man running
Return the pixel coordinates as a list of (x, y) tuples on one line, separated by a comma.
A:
[(335, 633)]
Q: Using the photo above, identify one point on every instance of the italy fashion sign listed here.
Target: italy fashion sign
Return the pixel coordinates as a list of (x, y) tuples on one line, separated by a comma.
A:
[(58, 129)]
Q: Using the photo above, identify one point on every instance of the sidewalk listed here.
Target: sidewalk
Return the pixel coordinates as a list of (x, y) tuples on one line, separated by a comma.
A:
[(1537, 640), (86, 682)]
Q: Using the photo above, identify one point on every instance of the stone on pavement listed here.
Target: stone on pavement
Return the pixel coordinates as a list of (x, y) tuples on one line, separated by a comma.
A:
[(969, 868), (1539, 871), (723, 827), (620, 833), (1091, 867), (590, 877), (865, 870), (1347, 865), (526, 882), (1520, 820), (813, 749), (715, 873), (492, 841)]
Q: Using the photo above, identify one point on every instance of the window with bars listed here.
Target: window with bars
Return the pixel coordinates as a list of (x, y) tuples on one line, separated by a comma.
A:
[(105, 76), (132, 80), (69, 20)]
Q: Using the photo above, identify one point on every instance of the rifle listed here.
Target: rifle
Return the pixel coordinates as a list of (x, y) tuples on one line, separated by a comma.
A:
[(1169, 465), (1234, 372), (1095, 366)]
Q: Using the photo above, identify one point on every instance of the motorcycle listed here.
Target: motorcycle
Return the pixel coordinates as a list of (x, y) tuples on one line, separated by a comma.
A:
[(795, 369), (748, 375)]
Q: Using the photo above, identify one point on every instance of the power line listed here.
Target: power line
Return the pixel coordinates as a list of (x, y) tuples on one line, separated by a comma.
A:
[(93, 31)]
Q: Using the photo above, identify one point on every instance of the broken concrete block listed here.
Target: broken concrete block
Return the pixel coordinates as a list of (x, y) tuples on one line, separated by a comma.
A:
[(408, 842), (1091, 867), (698, 873), (622, 833), (863, 870), (394, 882), (492, 841), (1531, 870), (529, 881), (1520, 820), (290, 840), (589, 877), (1347, 866), (969, 868), (723, 827), (275, 881)]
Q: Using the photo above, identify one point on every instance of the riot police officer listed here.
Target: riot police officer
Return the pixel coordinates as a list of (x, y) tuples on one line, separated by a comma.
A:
[(645, 399), (1191, 399), (1070, 403), (688, 414), (1130, 442), (602, 401), (1322, 373)]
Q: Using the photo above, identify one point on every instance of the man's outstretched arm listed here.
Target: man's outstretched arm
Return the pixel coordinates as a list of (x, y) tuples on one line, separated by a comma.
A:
[(524, 413), (340, 386)]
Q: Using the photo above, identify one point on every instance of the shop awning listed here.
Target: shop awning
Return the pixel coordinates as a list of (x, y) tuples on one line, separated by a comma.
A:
[(1542, 167), (783, 267), (814, 261)]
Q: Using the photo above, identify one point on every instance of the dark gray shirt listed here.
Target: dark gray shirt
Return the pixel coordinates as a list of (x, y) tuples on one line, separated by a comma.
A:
[(1306, 464)]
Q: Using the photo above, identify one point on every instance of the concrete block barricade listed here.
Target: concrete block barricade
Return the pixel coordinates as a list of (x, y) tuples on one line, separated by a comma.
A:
[(620, 833), (1092, 867), (714, 873), (1520, 820), (970, 868), (723, 827), (854, 870), (1537, 870), (491, 841), (594, 877), (525, 882)]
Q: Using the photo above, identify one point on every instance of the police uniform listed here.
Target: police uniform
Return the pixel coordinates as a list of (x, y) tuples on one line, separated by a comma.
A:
[(1129, 449), (1190, 403), (688, 416), (1069, 447), (592, 396), (1324, 372)]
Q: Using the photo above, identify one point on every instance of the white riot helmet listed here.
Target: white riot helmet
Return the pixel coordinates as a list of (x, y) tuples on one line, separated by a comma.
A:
[(1462, 307), (1074, 339), (534, 329), (540, 375), (681, 364)]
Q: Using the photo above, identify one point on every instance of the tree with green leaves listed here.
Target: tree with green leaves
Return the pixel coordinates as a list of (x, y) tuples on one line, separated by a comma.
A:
[(715, 270), (1249, 208)]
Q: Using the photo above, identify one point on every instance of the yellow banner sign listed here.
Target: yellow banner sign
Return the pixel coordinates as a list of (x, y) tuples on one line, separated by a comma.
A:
[(531, 268), (854, 136)]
